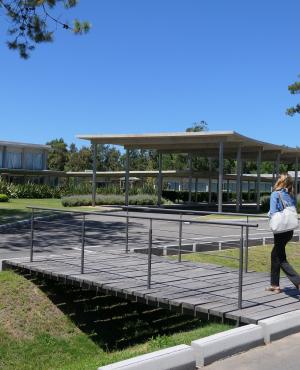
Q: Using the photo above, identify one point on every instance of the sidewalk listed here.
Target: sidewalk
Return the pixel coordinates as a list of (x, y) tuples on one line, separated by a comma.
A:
[(283, 354)]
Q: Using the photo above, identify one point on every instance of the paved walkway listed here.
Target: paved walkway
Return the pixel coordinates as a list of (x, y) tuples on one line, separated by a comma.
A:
[(109, 232), (279, 355)]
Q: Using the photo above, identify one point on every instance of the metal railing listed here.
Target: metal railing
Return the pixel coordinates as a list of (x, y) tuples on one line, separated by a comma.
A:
[(181, 212), (243, 226)]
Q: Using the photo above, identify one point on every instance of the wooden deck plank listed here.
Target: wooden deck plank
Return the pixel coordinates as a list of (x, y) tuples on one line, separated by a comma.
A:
[(264, 314), (193, 287)]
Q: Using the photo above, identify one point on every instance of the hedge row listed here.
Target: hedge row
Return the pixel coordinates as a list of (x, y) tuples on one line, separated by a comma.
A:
[(110, 199), (176, 196), (39, 191), (265, 203)]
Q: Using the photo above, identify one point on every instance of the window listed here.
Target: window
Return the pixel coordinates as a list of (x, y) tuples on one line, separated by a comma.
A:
[(34, 161), (14, 160), (1, 159)]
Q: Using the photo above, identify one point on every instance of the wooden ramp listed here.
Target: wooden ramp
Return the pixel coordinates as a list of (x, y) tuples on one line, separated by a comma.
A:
[(191, 288)]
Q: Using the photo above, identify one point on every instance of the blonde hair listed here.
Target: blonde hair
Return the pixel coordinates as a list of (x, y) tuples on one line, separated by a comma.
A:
[(285, 181)]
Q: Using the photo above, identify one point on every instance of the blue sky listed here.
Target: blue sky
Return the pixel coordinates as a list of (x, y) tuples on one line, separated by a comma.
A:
[(159, 65)]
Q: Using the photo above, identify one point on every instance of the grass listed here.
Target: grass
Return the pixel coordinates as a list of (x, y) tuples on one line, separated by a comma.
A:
[(259, 257), (35, 334), (15, 209), (233, 217)]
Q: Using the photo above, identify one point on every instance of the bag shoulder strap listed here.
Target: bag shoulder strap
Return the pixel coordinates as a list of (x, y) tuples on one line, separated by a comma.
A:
[(281, 199)]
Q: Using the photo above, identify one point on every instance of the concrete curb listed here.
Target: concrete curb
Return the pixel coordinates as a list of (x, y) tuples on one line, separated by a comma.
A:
[(227, 343), (174, 358), (280, 326)]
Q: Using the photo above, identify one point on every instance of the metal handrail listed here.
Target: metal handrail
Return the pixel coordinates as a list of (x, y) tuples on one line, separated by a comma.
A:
[(145, 218), (180, 221), (191, 212)]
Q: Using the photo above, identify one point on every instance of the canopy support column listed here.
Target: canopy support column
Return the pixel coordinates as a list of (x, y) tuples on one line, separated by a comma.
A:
[(248, 188), (220, 184), (209, 180), (94, 179), (241, 173), (238, 177), (273, 175), (160, 180), (196, 190), (296, 176), (277, 165), (227, 189), (258, 167), (190, 177), (127, 178)]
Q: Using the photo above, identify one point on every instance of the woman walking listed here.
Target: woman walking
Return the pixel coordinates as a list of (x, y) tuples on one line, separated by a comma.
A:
[(281, 197)]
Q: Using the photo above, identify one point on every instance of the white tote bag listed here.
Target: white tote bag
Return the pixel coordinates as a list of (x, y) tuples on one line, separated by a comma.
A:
[(285, 220)]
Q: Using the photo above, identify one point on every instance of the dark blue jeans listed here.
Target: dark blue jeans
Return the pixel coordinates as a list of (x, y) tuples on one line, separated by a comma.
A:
[(278, 260)]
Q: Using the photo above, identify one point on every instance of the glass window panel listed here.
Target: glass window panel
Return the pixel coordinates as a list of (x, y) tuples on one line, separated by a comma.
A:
[(14, 160), (37, 161), (33, 161), (28, 161), (1, 158)]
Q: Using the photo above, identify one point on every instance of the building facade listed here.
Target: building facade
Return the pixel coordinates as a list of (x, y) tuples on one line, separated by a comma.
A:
[(22, 162), (23, 156)]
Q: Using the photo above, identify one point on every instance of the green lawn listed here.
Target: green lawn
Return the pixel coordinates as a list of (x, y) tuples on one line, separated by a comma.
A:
[(35, 334), (15, 209), (233, 217), (259, 257)]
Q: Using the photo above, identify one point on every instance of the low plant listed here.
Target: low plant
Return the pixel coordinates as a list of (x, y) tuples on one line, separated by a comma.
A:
[(31, 190), (265, 203), (4, 198), (110, 199), (4, 187)]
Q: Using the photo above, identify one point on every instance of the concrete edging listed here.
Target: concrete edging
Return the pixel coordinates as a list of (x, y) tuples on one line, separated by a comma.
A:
[(280, 326), (180, 357), (227, 343)]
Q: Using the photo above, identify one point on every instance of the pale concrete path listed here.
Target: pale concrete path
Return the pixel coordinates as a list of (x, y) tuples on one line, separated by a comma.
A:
[(279, 355)]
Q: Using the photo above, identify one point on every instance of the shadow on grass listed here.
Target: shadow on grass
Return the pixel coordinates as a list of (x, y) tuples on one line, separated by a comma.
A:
[(111, 322)]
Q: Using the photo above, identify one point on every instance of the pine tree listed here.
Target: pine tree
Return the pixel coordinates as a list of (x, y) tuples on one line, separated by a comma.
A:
[(294, 89), (30, 22)]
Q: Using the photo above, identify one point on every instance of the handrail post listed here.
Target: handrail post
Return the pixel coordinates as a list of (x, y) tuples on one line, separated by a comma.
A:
[(149, 255), (127, 226), (82, 242), (180, 238), (32, 235), (240, 290), (246, 246)]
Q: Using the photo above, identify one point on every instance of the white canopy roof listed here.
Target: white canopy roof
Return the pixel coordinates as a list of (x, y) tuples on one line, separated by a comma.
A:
[(204, 143)]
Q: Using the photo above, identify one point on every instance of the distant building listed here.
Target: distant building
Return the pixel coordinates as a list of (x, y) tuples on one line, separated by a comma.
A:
[(22, 162), (23, 156)]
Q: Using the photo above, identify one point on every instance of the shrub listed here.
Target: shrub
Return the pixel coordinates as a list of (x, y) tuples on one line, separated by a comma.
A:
[(4, 198), (110, 199), (265, 203), (177, 196), (41, 191), (4, 188), (298, 203)]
